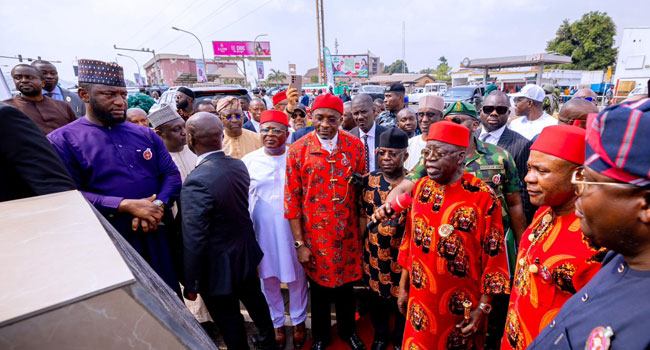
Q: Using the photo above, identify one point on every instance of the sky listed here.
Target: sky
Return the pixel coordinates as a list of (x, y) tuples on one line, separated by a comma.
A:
[(67, 30)]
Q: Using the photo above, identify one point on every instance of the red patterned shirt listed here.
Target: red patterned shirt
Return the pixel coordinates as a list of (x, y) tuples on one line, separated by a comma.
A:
[(454, 250), (318, 191), (554, 261)]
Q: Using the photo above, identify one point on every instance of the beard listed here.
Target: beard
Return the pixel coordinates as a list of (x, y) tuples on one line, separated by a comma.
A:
[(182, 104), (105, 116), (30, 92)]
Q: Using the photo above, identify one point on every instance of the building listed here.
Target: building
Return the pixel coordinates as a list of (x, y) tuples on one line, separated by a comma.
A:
[(408, 79), (375, 64), (633, 64), (176, 70), (510, 80)]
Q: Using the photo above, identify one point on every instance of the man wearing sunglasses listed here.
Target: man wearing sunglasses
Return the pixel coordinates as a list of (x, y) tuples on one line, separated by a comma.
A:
[(494, 117), (430, 109), (237, 141), (267, 168), (528, 107), (555, 259), (587, 95), (613, 205)]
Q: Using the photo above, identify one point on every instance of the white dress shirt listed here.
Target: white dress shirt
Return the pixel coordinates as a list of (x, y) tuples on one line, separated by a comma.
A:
[(329, 145), (530, 129), (256, 124), (491, 137), (371, 145), (200, 158)]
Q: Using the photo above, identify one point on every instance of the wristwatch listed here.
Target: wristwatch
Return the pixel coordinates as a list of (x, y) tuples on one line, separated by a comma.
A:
[(486, 308), (298, 244), (159, 203)]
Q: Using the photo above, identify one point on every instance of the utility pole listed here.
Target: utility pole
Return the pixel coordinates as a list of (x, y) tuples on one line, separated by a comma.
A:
[(321, 41), (205, 65), (336, 46), (255, 50), (136, 63), (403, 47), (20, 58), (155, 61)]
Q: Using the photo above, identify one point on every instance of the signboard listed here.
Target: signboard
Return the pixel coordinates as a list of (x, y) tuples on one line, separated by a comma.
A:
[(201, 75), (242, 49), (260, 70), (350, 66), (328, 66)]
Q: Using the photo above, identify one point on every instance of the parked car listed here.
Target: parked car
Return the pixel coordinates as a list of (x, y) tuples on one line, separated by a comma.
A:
[(375, 91), (437, 89), (468, 93), (201, 93)]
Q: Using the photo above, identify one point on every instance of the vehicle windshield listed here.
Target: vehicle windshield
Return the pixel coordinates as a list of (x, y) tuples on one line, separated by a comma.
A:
[(373, 89), (459, 93)]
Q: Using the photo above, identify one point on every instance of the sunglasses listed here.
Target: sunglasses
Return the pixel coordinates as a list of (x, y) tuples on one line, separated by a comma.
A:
[(276, 132), (297, 115), (499, 109), (434, 154), (231, 117)]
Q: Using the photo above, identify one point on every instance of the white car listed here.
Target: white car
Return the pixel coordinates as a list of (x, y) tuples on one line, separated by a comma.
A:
[(437, 89)]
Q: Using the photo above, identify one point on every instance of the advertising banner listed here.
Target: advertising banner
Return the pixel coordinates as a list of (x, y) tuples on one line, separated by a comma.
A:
[(350, 65), (201, 75), (245, 49), (328, 66), (260, 70)]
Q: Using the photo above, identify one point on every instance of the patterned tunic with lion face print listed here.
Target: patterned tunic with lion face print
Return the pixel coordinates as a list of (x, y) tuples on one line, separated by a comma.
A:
[(453, 248)]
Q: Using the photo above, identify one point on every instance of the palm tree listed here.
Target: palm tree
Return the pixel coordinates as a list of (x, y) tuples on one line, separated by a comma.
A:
[(276, 76)]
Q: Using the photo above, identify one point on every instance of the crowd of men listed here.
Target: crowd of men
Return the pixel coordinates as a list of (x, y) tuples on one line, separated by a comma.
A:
[(466, 229)]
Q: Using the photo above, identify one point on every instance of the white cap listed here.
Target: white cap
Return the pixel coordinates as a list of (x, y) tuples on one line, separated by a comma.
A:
[(532, 92)]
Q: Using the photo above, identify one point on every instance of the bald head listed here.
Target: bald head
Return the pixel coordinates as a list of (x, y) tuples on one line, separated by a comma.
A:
[(363, 99), (499, 97), (137, 116), (576, 109), (204, 133), (582, 93)]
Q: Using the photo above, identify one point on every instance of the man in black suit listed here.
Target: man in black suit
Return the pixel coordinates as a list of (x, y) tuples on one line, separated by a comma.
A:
[(221, 253), (364, 114), (52, 90), (30, 166), (494, 116)]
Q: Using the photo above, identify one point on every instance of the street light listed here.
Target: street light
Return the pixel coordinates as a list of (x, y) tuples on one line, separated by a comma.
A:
[(255, 50), (205, 66), (136, 62)]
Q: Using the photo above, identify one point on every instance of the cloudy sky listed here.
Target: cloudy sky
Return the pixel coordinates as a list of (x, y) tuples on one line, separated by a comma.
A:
[(66, 30)]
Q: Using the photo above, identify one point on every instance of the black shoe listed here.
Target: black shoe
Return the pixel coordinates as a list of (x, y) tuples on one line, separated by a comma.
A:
[(397, 347), (318, 345), (379, 345), (355, 342)]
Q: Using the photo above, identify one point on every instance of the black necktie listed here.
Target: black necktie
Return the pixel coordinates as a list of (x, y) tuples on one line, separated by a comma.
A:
[(366, 167)]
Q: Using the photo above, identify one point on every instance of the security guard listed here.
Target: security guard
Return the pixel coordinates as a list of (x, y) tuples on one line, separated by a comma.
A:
[(612, 310)]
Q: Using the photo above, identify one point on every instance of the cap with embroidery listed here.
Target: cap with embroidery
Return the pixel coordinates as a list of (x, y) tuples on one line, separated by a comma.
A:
[(562, 141), (617, 142), (162, 116), (99, 72), (461, 107), (432, 102), (328, 101), (394, 138), (231, 102), (448, 132)]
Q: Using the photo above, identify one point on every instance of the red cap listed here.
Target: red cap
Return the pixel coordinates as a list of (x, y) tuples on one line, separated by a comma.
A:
[(274, 116), (448, 132), (328, 101), (562, 141), (277, 98)]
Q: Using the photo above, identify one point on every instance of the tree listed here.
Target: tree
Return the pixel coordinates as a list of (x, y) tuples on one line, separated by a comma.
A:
[(588, 41), (398, 66), (427, 71), (276, 76), (442, 70), (313, 79)]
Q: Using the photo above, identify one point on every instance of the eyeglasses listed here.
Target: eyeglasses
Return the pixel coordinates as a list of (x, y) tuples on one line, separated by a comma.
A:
[(297, 115), (578, 176), (434, 154), (429, 115), (231, 117), (499, 109), (383, 153), (276, 132)]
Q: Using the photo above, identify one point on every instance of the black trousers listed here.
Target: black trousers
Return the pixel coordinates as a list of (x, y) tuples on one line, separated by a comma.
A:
[(380, 311), (344, 302), (225, 312)]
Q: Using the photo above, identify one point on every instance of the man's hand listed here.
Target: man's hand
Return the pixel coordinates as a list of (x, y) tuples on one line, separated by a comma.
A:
[(306, 258), (292, 96), (475, 322), (146, 214), (189, 295), (383, 213), (402, 300)]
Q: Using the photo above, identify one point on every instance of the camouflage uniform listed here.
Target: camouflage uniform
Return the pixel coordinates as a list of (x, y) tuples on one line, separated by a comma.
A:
[(387, 119), (497, 168)]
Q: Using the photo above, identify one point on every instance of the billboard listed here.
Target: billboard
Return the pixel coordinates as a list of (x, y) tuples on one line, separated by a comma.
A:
[(260, 70), (201, 74), (245, 49), (329, 66), (350, 65)]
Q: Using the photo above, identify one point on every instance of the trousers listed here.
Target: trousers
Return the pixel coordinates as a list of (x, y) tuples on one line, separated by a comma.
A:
[(380, 311), (321, 300), (297, 299)]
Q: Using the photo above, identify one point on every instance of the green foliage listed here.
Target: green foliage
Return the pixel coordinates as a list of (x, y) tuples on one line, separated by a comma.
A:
[(398, 66), (427, 71), (442, 70), (276, 76), (588, 41), (313, 79)]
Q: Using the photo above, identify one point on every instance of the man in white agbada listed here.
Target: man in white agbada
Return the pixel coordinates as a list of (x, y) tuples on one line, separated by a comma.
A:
[(430, 109), (169, 125), (267, 168)]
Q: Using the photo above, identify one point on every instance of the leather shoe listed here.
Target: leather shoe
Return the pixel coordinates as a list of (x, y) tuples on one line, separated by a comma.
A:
[(355, 342), (280, 337), (299, 335), (318, 345), (379, 345), (397, 347)]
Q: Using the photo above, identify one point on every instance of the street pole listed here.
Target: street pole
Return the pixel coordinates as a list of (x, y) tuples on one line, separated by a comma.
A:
[(255, 50), (155, 61), (205, 65), (136, 62)]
